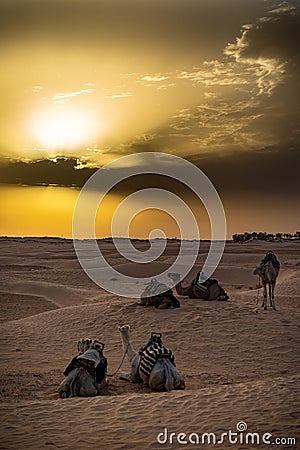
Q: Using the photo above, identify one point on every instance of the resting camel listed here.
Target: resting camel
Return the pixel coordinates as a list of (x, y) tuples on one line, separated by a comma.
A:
[(158, 295), (86, 373), (268, 271), (208, 289), (154, 364)]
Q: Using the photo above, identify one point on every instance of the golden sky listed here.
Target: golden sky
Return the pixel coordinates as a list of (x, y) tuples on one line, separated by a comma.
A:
[(90, 80)]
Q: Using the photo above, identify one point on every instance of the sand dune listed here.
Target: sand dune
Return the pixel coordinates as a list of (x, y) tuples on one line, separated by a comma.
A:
[(239, 365)]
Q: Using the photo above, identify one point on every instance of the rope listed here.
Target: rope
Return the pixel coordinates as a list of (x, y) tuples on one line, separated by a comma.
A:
[(114, 373)]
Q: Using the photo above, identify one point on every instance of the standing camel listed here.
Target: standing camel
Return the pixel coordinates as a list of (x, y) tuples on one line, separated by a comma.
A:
[(268, 271), (153, 365)]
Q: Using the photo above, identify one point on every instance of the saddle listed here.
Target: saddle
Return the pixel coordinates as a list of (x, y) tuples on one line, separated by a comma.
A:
[(203, 283), (151, 352), (96, 367)]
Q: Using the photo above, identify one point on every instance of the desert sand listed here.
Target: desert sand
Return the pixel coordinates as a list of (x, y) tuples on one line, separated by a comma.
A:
[(239, 365)]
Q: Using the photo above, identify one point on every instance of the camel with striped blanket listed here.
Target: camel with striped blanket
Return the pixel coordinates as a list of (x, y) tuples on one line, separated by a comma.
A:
[(153, 365)]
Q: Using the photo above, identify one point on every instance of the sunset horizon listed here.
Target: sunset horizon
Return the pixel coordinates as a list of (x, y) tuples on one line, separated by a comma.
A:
[(86, 83)]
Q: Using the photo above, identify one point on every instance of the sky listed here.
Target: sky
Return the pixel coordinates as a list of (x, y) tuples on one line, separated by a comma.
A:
[(84, 82)]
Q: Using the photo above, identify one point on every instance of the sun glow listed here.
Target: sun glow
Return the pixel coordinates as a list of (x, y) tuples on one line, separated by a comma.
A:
[(63, 128)]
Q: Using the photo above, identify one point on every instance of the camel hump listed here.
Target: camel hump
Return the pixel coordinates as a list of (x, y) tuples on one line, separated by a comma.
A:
[(165, 376), (202, 282), (151, 353), (154, 288)]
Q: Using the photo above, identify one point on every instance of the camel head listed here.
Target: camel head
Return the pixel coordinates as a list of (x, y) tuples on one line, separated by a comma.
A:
[(175, 277), (84, 344), (258, 271), (125, 331)]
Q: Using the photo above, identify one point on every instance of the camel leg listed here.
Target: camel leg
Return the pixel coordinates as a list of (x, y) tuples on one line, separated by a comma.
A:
[(133, 376), (81, 384), (124, 376), (87, 386), (264, 305), (270, 294), (65, 387), (272, 298)]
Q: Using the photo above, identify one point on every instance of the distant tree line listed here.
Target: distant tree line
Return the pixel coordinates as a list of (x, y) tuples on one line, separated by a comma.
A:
[(263, 236)]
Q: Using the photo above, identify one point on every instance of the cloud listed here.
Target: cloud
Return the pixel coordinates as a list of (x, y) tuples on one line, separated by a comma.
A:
[(58, 171), (269, 173), (265, 173), (283, 7), (154, 78), (253, 99), (123, 95), (64, 97), (218, 73), (220, 124), (37, 89), (275, 36), (272, 44)]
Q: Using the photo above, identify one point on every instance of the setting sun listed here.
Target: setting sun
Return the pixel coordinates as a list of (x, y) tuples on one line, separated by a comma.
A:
[(63, 128)]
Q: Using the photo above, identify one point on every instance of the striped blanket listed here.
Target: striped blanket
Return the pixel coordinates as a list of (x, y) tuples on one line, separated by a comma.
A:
[(151, 354)]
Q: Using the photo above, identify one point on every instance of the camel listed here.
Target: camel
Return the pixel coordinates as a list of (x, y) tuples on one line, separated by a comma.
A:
[(153, 365), (268, 271), (208, 289), (86, 373), (158, 295)]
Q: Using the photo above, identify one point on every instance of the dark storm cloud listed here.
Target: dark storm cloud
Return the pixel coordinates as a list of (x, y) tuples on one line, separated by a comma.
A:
[(272, 43), (270, 172), (275, 36), (61, 172), (261, 107)]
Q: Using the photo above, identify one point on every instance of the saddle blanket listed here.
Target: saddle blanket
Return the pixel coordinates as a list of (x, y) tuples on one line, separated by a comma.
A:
[(90, 355), (151, 354)]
